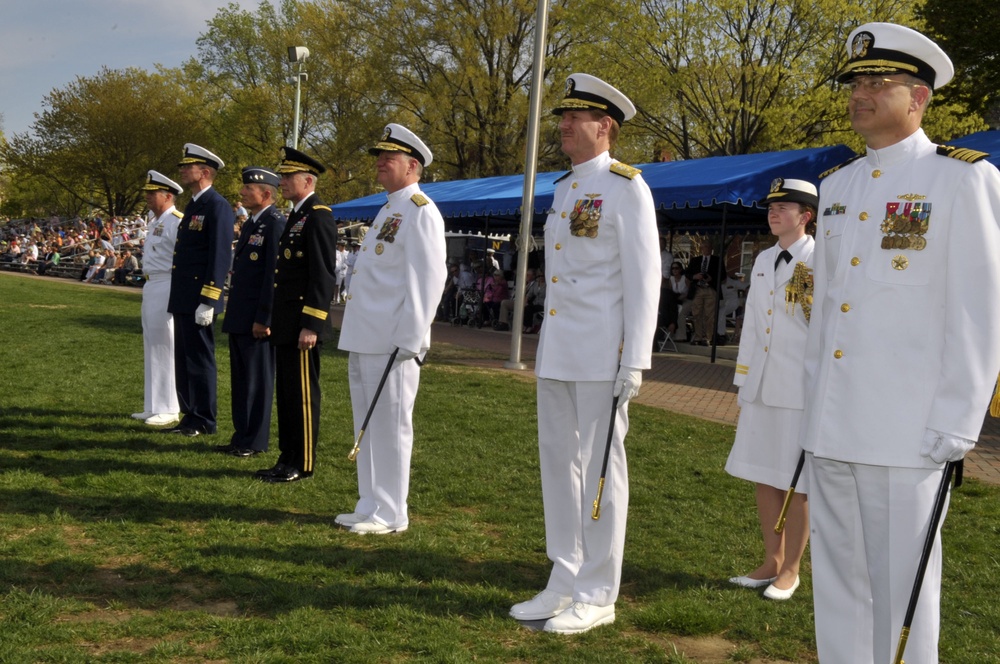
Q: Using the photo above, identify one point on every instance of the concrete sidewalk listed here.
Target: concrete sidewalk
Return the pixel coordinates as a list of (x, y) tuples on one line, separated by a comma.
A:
[(685, 382)]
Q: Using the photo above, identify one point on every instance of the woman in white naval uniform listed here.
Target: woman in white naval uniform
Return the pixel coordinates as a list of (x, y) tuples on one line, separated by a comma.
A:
[(603, 265), (160, 405), (770, 372)]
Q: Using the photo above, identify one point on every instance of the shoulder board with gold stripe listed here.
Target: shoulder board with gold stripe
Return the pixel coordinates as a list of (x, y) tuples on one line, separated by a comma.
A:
[(322, 207), (964, 154), (419, 200), (624, 170), (563, 177), (838, 166), (177, 213)]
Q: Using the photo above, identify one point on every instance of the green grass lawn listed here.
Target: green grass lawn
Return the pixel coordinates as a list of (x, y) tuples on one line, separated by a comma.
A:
[(118, 544)]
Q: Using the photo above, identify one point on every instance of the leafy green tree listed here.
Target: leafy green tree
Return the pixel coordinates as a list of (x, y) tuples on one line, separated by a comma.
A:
[(967, 31), (729, 76), (95, 139)]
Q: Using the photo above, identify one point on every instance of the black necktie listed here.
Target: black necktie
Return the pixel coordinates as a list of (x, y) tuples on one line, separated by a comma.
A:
[(783, 256), (704, 264)]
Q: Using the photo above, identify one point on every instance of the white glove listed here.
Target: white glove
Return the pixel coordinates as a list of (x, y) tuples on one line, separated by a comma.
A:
[(203, 315), (942, 447), (627, 384), (403, 355)]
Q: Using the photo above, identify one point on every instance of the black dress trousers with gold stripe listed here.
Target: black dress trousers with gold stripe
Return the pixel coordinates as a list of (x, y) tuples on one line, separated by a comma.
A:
[(304, 282)]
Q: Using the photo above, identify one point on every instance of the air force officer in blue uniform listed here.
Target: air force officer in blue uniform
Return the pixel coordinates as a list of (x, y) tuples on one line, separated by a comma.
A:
[(201, 261), (248, 314)]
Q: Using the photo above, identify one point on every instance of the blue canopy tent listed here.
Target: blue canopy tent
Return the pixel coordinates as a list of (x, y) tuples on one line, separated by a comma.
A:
[(688, 194)]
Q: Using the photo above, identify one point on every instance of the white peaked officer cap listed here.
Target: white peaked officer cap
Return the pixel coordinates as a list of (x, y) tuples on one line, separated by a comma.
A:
[(195, 154), (886, 48), (156, 181), (589, 93), (398, 138), (792, 191)]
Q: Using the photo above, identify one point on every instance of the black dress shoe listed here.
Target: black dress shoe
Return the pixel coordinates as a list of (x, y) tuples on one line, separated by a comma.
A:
[(242, 452), (267, 472), (224, 449), (190, 432), (289, 474)]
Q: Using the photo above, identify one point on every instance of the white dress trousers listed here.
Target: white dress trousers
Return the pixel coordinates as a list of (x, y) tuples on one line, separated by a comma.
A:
[(586, 554), (879, 514), (159, 388), (383, 487)]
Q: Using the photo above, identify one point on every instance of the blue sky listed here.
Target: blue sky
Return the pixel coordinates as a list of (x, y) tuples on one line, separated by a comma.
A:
[(46, 44)]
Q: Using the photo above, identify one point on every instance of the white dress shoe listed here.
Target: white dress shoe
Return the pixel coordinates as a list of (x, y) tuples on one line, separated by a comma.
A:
[(747, 582), (348, 520), (581, 617), (542, 606), (779, 594), (144, 415), (159, 419), (375, 528)]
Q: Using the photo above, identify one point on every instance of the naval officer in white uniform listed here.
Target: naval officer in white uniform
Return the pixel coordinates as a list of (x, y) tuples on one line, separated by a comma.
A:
[(160, 405), (770, 373), (903, 348), (602, 261), (394, 291)]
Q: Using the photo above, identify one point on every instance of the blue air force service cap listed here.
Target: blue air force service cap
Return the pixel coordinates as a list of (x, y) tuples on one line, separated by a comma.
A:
[(792, 191), (398, 138), (886, 48), (589, 93), (293, 161), (260, 175), (195, 154), (156, 181)]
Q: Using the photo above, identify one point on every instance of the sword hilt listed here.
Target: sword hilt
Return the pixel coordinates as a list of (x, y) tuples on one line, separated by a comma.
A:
[(904, 635), (780, 526), (596, 512), (357, 446)]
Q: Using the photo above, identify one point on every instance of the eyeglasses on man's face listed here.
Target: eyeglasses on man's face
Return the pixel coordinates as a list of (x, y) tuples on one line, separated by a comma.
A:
[(874, 84)]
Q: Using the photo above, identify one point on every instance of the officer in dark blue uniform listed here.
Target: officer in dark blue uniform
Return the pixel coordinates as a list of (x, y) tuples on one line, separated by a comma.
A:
[(248, 314), (201, 260), (304, 282)]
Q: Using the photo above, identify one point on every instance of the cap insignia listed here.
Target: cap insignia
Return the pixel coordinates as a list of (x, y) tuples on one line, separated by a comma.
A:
[(862, 42), (776, 185)]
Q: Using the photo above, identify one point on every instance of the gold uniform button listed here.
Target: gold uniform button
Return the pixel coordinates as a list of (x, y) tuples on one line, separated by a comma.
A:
[(838, 354), (845, 307), (364, 248), (355, 272), (863, 216), (765, 349), (767, 331), (876, 173), (768, 312), (855, 261), (563, 215), (552, 312), (575, 184), (772, 293), (555, 280), (558, 246), (348, 297)]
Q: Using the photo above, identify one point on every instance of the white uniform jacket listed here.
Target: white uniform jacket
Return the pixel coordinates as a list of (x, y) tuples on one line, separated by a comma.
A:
[(397, 278), (158, 249), (603, 290), (905, 329), (769, 324)]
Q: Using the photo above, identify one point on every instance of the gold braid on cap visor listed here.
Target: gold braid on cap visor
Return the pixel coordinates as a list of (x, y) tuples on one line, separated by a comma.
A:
[(392, 147), (295, 167), (570, 102), (879, 66)]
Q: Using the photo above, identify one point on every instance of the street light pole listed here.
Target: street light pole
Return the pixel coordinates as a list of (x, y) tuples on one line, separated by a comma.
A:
[(297, 56)]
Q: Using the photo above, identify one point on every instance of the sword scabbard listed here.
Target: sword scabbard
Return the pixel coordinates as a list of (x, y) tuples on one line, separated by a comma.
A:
[(595, 514), (780, 526)]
